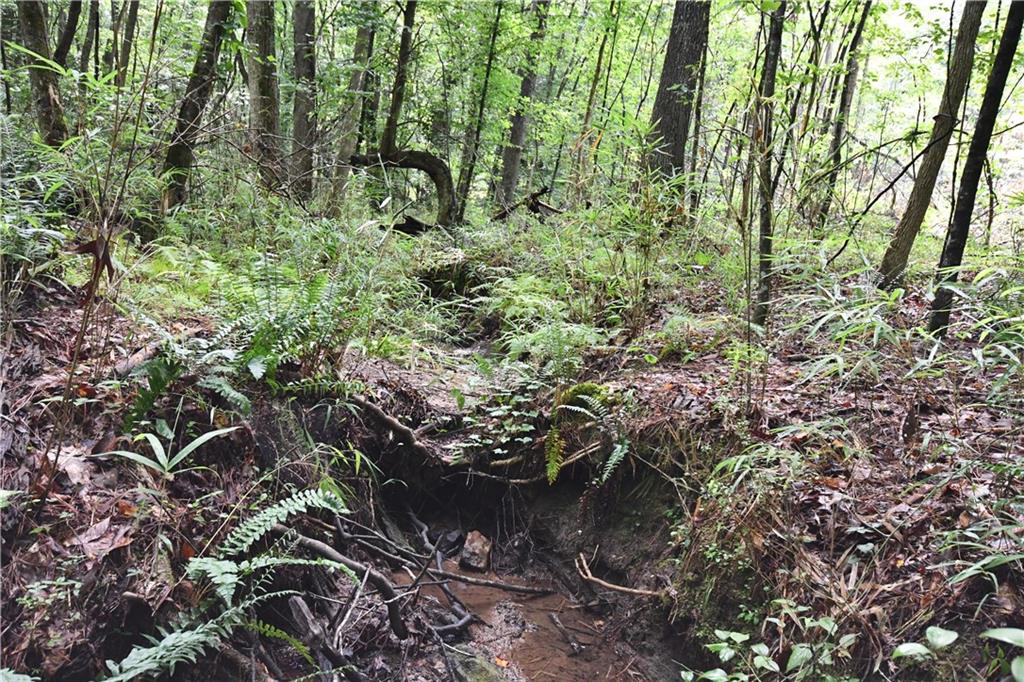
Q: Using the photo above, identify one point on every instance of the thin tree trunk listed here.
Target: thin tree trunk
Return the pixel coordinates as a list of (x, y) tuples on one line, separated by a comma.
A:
[(370, 102), (467, 171), (125, 53), (894, 262), (264, 95), (181, 152), (766, 91), (512, 155), (674, 103), (956, 239), (578, 160), (389, 138), (91, 29), (304, 104), (350, 119), (835, 155), (45, 89), (67, 36)]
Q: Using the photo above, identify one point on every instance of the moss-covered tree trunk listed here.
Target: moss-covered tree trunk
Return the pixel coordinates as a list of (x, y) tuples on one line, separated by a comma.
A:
[(42, 78)]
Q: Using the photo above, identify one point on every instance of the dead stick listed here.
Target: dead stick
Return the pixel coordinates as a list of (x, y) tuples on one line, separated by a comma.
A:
[(584, 571)]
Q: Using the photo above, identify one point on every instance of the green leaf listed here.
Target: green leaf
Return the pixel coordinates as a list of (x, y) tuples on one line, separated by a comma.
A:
[(760, 648), (766, 663), (135, 457), (912, 649), (938, 638), (257, 367), (800, 654), (6, 496), (191, 447), (716, 675), (1017, 669), (158, 448), (1014, 636)]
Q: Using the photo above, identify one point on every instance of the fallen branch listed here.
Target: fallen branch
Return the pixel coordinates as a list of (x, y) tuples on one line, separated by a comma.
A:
[(584, 571), (382, 584), (497, 584), (573, 644)]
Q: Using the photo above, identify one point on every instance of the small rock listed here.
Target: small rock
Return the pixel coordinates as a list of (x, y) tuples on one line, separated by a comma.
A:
[(476, 552)]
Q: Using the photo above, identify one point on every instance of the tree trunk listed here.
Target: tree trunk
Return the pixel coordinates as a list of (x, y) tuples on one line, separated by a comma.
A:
[(766, 91), (389, 139), (370, 102), (468, 168), (265, 123), (350, 119), (304, 104), (67, 36), (956, 239), (388, 155), (835, 153), (45, 90), (512, 155), (181, 152), (125, 53), (91, 31), (673, 105), (894, 263)]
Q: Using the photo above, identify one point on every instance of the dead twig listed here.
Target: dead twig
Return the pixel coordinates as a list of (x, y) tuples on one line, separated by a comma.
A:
[(584, 571)]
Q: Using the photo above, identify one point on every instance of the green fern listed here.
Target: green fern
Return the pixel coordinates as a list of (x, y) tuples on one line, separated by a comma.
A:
[(618, 454), (554, 454), (249, 532), (267, 630), (226, 575)]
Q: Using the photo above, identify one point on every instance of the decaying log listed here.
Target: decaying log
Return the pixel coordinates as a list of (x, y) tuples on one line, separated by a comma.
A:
[(533, 205)]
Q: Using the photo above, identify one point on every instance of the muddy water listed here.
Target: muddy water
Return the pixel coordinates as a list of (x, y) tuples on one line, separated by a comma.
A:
[(520, 637)]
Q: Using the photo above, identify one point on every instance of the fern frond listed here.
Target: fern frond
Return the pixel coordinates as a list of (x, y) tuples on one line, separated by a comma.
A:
[(554, 454), (267, 630), (618, 454), (249, 532)]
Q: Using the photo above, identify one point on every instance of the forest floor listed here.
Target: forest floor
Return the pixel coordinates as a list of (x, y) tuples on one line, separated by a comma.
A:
[(844, 515)]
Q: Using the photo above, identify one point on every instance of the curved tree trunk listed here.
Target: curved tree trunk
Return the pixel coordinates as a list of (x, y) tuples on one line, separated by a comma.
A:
[(512, 155), (67, 36), (766, 91), (45, 90), (180, 153), (956, 239), (264, 96), (894, 262), (304, 104), (437, 169), (673, 105)]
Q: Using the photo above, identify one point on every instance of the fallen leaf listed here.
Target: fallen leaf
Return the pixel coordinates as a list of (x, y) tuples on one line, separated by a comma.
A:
[(99, 540), (501, 662)]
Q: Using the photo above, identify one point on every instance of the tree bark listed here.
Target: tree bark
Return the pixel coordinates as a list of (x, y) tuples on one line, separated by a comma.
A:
[(304, 104), (766, 91), (125, 53), (468, 167), (673, 105), (181, 152), (512, 155), (67, 36), (894, 262), (264, 97), (353, 112), (956, 238), (45, 90), (389, 139), (835, 153), (91, 29)]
